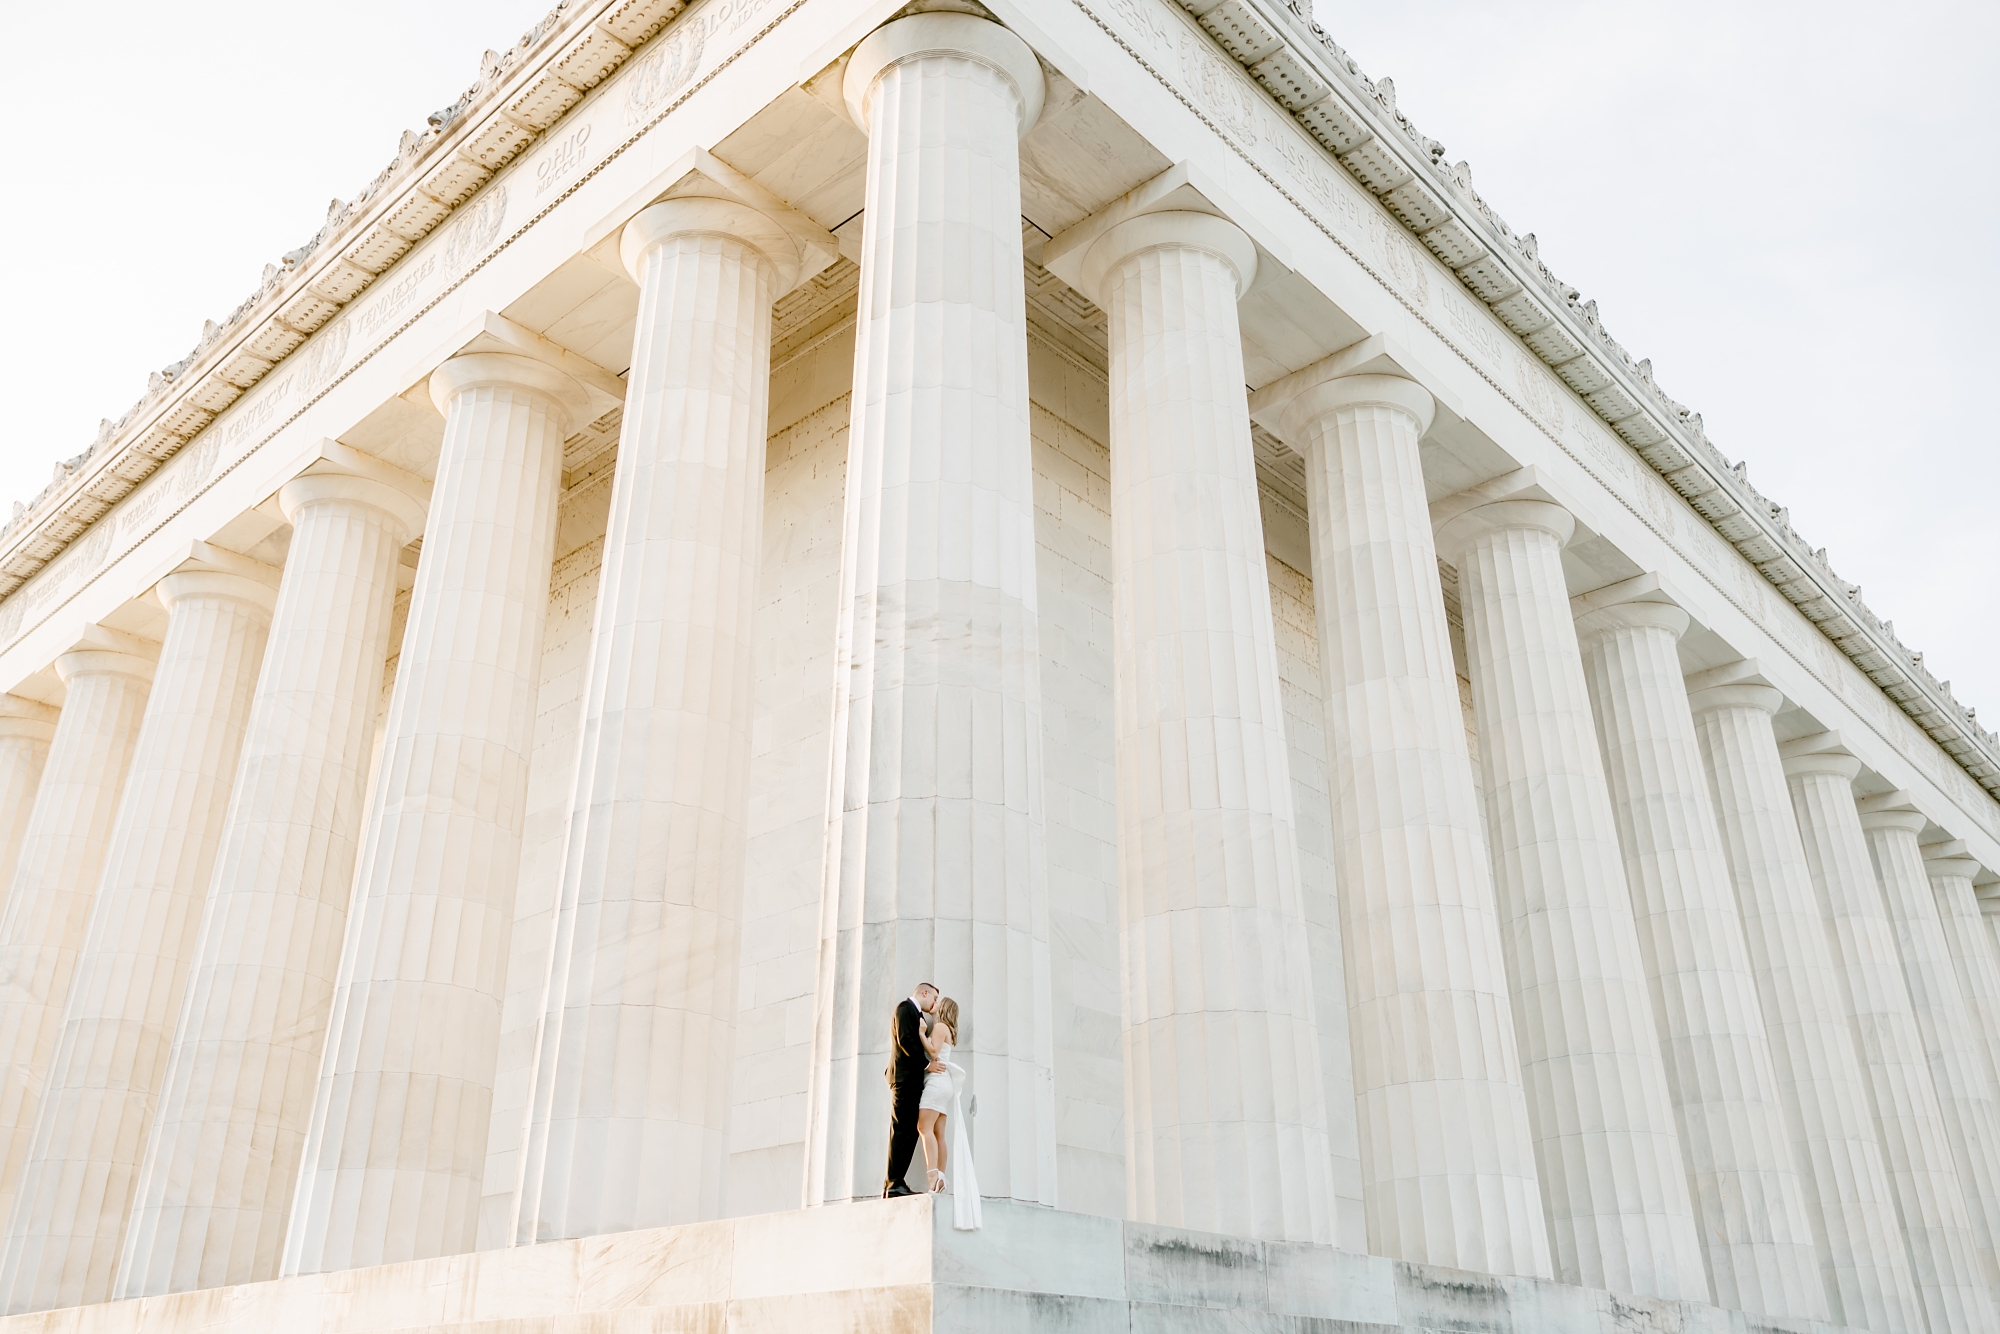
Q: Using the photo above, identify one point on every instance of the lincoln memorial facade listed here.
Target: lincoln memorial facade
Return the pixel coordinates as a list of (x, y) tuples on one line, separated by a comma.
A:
[(767, 502)]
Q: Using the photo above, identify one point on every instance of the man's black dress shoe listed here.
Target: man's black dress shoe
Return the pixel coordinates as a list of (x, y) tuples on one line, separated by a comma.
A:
[(897, 1191)]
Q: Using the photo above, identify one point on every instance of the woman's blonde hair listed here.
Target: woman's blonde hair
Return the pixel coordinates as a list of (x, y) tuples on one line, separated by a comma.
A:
[(947, 1014)]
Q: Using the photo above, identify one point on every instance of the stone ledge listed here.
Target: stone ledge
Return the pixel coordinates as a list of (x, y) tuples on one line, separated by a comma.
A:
[(897, 1267)]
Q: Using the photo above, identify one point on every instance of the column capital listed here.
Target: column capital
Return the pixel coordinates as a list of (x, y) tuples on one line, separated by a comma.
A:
[(103, 662), (1177, 227), (944, 34), (214, 572), (1375, 372), (1633, 616), (1820, 753), (478, 370), (183, 584), (1890, 810), (14, 706), (1822, 762), (102, 651), (1949, 857), (341, 473), (699, 214), (1459, 532), (1742, 672), (1306, 401), (1765, 699), (24, 718)]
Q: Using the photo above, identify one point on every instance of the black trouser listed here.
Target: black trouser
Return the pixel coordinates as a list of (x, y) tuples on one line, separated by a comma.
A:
[(903, 1100)]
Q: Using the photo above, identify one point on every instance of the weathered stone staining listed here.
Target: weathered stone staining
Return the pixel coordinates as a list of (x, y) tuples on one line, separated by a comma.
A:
[(466, 814)]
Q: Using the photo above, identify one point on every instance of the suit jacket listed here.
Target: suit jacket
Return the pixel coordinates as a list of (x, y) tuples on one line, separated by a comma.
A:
[(907, 1057)]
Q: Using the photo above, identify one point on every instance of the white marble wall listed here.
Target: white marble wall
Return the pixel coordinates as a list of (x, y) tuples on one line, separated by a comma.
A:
[(805, 473), (1069, 426)]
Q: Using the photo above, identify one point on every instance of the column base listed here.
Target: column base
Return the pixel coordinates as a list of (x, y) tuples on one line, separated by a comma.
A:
[(897, 1267)]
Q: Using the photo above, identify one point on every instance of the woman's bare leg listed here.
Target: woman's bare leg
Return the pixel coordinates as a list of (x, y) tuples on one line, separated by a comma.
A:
[(927, 1132), (937, 1129)]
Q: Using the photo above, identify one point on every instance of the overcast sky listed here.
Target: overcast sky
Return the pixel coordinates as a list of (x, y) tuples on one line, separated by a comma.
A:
[(1788, 207)]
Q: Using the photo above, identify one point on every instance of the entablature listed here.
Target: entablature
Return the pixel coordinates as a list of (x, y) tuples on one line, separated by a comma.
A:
[(522, 96)]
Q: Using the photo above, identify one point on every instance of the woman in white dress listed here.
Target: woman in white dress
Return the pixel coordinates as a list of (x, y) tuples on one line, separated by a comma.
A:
[(934, 1108), (942, 1100)]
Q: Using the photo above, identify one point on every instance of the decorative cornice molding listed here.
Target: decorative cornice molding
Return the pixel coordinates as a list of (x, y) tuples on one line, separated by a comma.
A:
[(1357, 121)]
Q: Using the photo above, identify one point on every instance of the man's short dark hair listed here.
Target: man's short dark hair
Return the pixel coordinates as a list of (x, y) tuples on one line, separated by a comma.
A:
[(931, 985)]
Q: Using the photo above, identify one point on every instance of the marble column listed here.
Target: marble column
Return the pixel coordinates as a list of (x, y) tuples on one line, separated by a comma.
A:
[(1952, 1040), (1225, 1113), (26, 728), (62, 1241), (1433, 1036), (396, 1148), (1742, 1176), (106, 681), (1613, 1182), (1936, 1227), (1863, 1264), (934, 864), (631, 1111), (216, 1183), (1951, 871)]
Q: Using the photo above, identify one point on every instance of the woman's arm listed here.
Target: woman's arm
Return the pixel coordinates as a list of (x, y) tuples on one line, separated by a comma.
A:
[(938, 1038)]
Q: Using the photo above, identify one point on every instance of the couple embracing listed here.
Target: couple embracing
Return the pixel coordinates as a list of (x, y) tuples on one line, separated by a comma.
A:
[(926, 1092)]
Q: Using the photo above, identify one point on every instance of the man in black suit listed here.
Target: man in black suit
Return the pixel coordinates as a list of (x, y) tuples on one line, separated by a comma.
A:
[(908, 1063)]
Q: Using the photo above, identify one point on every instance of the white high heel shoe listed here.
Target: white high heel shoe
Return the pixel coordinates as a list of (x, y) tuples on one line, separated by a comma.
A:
[(936, 1181)]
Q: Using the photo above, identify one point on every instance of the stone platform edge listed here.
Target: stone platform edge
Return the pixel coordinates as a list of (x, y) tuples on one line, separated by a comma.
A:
[(898, 1267)]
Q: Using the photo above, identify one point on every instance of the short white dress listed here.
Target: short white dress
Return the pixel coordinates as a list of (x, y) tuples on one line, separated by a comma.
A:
[(938, 1086)]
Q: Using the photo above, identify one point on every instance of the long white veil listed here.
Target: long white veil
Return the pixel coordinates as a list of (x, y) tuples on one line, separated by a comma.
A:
[(965, 1212)]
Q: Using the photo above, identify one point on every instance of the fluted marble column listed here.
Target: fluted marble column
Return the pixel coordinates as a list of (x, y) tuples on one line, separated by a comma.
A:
[(1613, 1181), (1951, 871), (1742, 1176), (26, 728), (632, 1091), (1944, 1259), (1863, 1264), (1225, 1114), (221, 1160), (1951, 1038), (934, 856), (56, 875), (397, 1144), (1433, 1034), (69, 1214)]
